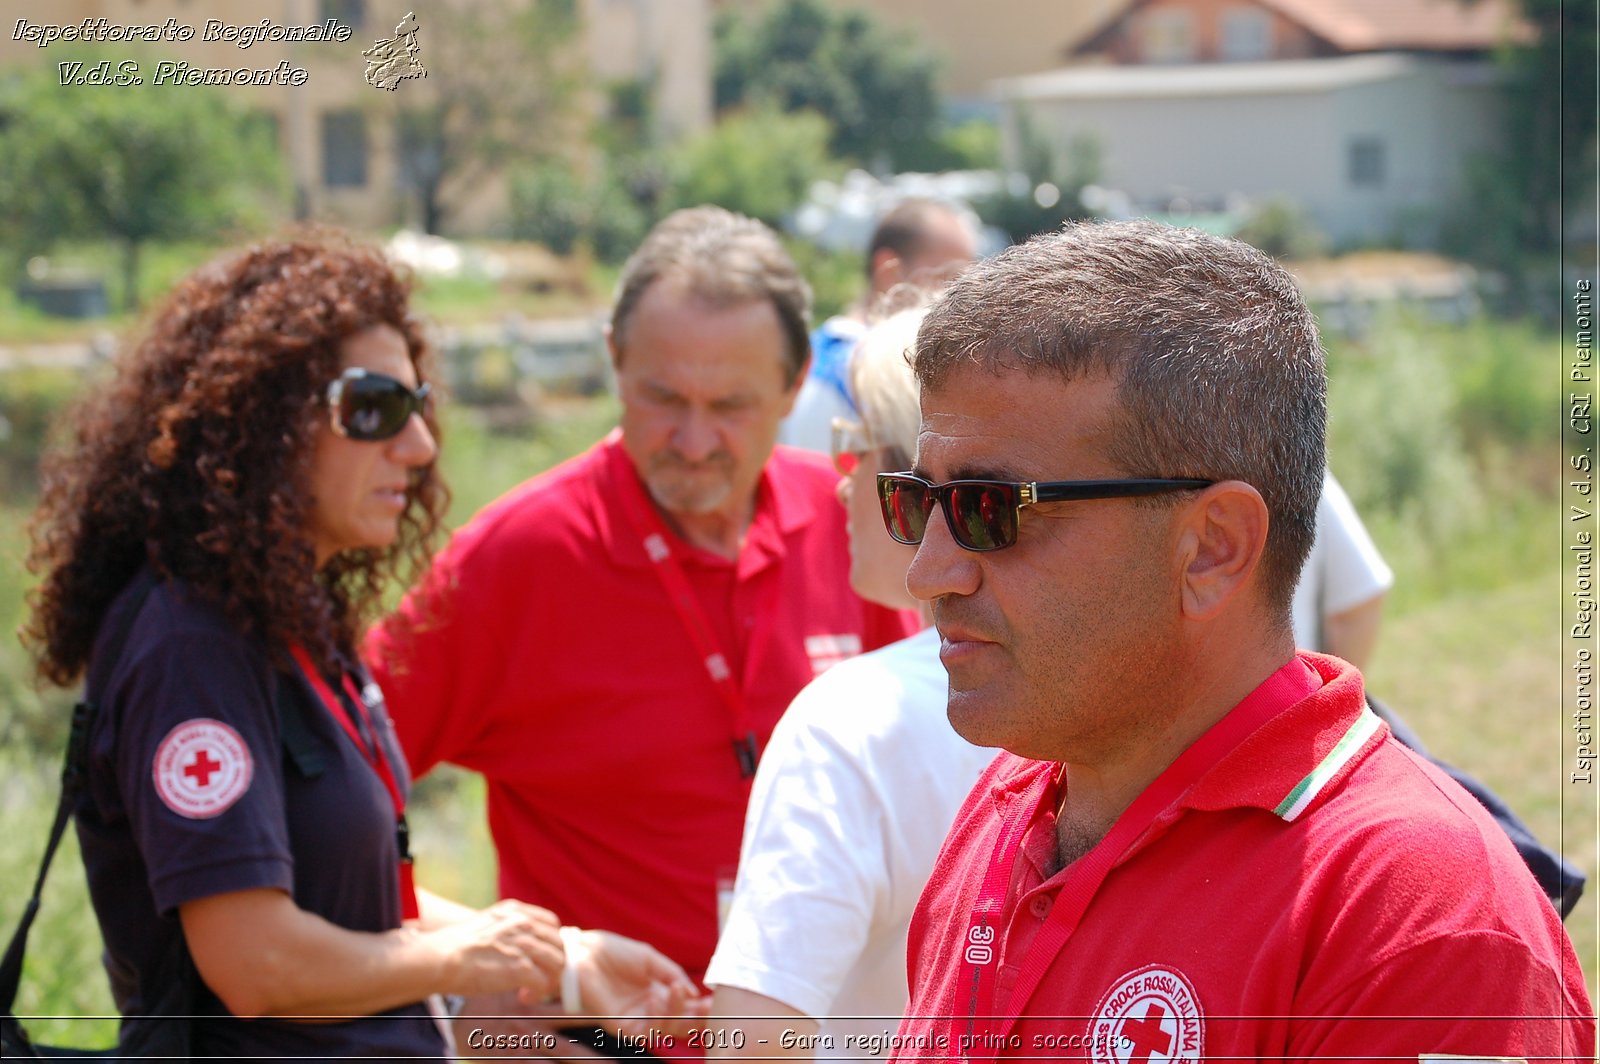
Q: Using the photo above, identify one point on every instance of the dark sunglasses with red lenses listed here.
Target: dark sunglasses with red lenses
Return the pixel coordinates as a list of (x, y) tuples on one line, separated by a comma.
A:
[(982, 514), (369, 406)]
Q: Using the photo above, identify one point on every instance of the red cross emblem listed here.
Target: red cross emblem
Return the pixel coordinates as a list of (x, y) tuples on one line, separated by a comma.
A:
[(1151, 1014), (1147, 1035), (201, 768)]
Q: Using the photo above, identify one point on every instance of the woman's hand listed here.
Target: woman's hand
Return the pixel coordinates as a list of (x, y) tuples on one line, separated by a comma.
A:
[(636, 986), (509, 946)]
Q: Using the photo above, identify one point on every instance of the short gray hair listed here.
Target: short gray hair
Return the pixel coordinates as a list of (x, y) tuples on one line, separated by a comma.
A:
[(1219, 368), (726, 260)]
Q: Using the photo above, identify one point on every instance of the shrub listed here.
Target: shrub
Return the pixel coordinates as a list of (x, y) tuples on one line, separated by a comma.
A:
[(1282, 230), (760, 162)]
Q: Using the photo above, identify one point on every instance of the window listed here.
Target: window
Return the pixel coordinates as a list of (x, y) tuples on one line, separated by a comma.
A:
[(1166, 36), (1246, 34), (1366, 161), (419, 150), (351, 13), (344, 149)]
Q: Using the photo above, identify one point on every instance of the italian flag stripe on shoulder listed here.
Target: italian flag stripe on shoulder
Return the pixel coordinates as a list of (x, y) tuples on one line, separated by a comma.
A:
[(1306, 791)]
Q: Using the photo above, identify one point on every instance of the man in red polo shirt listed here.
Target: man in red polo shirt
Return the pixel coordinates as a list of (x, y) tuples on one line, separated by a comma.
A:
[(1201, 843), (611, 643)]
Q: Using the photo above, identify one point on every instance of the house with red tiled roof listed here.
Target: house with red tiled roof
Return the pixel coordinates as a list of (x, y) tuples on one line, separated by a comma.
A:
[(1204, 31), (1365, 113)]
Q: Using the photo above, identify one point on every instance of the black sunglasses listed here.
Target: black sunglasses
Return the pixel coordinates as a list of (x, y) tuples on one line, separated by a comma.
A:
[(982, 514), (369, 406)]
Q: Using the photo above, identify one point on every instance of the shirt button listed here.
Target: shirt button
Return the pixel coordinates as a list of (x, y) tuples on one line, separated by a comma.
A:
[(1040, 906)]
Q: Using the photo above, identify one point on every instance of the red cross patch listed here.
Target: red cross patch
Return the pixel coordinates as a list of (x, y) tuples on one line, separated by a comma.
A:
[(1150, 1016), (201, 768)]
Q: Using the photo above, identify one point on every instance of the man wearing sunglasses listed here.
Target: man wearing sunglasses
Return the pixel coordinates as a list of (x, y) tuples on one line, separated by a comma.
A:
[(1201, 843), (611, 643)]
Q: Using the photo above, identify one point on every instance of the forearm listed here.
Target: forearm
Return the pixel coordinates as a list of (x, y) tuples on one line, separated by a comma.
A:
[(1352, 634), (264, 956), (435, 911), (768, 1026)]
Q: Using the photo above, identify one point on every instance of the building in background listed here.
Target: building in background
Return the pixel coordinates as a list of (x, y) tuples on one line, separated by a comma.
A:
[(1365, 113)]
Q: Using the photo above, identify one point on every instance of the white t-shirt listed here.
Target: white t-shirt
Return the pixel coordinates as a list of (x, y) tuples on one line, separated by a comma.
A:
[(850, 805), (1344, 568)]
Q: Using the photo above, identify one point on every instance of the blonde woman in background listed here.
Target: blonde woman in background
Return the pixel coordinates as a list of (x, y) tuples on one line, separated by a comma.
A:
[(856, 788)]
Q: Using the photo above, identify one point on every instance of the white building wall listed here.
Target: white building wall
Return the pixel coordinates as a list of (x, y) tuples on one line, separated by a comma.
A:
[(1287, 143)]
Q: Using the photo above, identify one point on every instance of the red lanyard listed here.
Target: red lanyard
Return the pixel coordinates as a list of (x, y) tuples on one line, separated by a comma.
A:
[(375, 756), (975, 1035), (657, 543)]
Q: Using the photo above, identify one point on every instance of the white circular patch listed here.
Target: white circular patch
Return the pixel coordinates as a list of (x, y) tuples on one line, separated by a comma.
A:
[(1150, 1016), (201, 768)]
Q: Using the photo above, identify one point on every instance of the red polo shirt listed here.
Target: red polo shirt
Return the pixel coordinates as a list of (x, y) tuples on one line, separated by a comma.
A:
[(556, 665), (1321, 892)]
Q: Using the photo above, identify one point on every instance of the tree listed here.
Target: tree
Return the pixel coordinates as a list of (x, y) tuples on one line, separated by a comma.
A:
[(758, 162), (1553, 102), (875, 85), (1513, 205), (126, 164), (503, 83)]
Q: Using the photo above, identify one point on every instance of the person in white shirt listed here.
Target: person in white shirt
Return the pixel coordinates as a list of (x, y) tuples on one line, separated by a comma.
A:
[(855, 791), (1339, 600)]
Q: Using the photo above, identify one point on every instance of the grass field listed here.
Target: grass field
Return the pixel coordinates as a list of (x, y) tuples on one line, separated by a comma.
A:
[(1446, 437)]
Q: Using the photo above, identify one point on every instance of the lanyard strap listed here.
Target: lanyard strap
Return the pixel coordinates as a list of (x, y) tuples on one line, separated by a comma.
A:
[(982, 1028), (375, 756), (657, 544)]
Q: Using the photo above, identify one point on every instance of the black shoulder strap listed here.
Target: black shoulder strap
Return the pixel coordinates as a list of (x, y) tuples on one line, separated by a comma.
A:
[(74, 772), (308, 756)]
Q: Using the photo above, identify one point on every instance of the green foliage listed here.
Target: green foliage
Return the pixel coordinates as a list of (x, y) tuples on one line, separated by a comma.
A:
[(760, 162), (836, 277), (63, 979), (971, 145), (1282, 230), (1443, 436), (1050, 188), (553, 205), (128, 163), (1513, 201), (876, 85), (30, 402)]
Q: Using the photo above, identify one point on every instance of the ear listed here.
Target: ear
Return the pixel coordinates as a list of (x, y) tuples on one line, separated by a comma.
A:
[(1220, 540), (887, 270), (795, 385), (611, 345)]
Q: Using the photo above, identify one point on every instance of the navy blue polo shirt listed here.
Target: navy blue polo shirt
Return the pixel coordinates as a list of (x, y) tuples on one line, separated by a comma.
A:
[(193, 791)]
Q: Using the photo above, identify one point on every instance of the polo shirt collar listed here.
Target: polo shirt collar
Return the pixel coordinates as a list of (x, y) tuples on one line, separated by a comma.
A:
[(1293, 761), (777, 513)]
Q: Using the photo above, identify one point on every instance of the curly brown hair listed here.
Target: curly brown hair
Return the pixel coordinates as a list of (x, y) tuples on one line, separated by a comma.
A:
[(195, 458)]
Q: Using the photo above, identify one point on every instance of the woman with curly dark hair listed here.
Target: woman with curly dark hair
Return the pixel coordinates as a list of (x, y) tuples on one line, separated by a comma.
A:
[(224, 518)]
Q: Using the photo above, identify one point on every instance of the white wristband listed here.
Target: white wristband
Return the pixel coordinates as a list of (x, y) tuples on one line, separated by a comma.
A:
[(571, 1000)]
